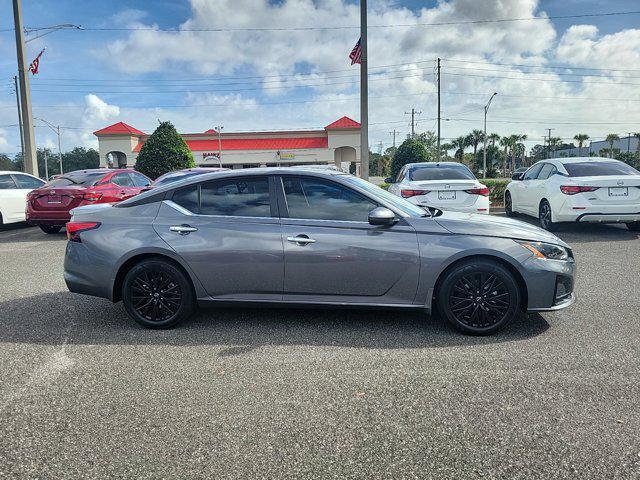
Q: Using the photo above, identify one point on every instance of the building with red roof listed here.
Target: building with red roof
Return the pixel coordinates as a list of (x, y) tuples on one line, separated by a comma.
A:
[(338, 143)]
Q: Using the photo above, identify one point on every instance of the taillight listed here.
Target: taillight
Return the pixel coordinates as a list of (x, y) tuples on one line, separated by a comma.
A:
[(92, 197), (413, 193), (74, 229), (484, 191), (573, 189)]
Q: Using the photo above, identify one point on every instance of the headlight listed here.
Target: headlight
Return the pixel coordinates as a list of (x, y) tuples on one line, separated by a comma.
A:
[(546, 251)]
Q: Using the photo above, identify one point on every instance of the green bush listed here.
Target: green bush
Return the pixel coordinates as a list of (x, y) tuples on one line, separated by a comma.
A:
[(410, 151), (496, 187), (164, 151)]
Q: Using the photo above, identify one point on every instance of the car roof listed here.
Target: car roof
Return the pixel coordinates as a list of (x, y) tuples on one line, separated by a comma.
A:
[(583, 159), (436, 164)]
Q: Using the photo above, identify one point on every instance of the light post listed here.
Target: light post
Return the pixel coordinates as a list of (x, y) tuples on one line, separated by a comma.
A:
[(42, 31), (484, 150), (219, 130), (56, 129)]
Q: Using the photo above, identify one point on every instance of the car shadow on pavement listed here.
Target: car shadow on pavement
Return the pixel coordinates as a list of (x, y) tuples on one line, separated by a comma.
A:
[(27, 233), (66, 318)]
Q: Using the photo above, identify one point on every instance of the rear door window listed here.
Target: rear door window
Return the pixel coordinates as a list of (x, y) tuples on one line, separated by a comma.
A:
[(599, 169), (546, 171), (187, 197), (122, 179), (533, 172), (140, 180), (238, 197), (26, 182), (7, 183)]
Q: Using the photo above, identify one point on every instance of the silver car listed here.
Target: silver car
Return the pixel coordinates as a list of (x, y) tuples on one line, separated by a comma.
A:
[(291, 236)]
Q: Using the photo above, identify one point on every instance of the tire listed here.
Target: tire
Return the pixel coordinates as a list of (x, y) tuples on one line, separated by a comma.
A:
[(508, 205), (634, 226), (545, 216), (171, 298), (458, 297), (50, 229)]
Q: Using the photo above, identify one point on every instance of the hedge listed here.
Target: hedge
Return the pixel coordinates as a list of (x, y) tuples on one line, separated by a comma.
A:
[(496, 188)]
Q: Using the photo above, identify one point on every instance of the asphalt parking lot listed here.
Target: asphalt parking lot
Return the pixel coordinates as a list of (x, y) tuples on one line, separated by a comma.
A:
[(85, 392)]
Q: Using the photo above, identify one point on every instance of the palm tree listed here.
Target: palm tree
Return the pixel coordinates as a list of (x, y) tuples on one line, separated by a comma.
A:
[(580, 138), (553, 143), (610, 139), (506, 143), (475, 137), (460, 144), (445, 147), (493, 138), (513, 143)]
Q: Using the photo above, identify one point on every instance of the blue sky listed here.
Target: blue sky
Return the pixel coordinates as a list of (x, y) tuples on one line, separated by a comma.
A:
[(246, 80)]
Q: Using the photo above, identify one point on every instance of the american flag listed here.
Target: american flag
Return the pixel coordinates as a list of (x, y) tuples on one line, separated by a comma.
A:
[(33, 68), (356, 53)]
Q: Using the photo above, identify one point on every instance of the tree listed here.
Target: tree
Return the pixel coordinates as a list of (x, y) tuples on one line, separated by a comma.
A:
[(6, 163), (505, 142), (580, 138), (411, 151), (554, 142), (475, 137), (80, 159), (637, 137), (611, 139), (493, 138), (430, 142), (164, 151), (460, 144)]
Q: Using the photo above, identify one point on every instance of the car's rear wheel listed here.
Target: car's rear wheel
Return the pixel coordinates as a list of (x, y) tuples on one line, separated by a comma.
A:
[(546, 217), (508, 205), (51, 229), (634, 226), (479, 297), (157, 294)]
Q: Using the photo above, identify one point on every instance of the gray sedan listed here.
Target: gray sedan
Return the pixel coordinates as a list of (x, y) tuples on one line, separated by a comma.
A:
[(291, 236)]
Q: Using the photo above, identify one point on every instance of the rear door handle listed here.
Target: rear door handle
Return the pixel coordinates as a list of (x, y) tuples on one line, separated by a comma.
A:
[(183, 229), (300, 239)]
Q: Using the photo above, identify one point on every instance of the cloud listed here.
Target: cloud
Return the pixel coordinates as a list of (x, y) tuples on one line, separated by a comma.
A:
[(4, 143), (97, 109)]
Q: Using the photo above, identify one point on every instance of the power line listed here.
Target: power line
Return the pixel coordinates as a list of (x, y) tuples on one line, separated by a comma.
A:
[(555, 66), (529, 79), (541, 73)]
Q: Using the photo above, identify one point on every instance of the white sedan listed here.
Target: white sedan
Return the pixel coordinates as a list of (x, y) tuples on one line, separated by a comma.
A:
[(14, 187), (581, 189), (445, 185)]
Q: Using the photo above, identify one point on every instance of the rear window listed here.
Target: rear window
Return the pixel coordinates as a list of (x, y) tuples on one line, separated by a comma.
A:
[(85, 179), (174, 177), (599, 169), (440, 173)]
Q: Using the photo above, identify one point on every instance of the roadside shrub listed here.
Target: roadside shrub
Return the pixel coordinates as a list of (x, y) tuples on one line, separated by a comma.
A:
[(496, 187), (164, 151)]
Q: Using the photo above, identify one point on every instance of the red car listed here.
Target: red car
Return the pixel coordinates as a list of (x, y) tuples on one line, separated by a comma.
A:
[(49, 206)]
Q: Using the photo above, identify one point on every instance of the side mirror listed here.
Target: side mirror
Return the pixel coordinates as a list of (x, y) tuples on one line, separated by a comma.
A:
[(388, 180), (517, 176), (382, 216)]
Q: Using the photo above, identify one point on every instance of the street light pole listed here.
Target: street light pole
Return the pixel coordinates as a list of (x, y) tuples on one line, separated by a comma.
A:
[(364, 94), (56, 129), (484, 151)]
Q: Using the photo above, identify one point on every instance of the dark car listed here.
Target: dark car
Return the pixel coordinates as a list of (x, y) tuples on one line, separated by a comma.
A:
[(49, 206), (182, 174)]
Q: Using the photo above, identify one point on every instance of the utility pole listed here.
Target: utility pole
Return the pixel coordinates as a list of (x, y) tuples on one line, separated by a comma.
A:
[(219, 130), (29, 156), (549, 151), (484, 152), (364, 94), (394, 137), (15, 81), (438, 77), (413, 114), (56, 130), (46, 165), (628, 142)]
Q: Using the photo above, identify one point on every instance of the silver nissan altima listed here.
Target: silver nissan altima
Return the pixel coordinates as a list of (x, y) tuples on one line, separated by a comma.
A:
[(291, 236)]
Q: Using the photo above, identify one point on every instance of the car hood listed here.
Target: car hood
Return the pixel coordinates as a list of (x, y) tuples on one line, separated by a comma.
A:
[(492, 226)]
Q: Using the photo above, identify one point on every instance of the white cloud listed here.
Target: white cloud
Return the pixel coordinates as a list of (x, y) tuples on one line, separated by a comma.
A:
[(4, 143), (98, 109)]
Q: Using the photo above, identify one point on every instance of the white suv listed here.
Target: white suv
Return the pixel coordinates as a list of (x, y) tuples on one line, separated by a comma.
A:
[(582, 189), (445, 185)]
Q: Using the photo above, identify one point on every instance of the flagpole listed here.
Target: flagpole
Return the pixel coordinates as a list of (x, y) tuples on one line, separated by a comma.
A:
[(364, 95)]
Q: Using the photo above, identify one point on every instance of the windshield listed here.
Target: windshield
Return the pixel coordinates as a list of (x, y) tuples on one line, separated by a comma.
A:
[(441, 172), (85, 179), (398, 202), (599, 169)]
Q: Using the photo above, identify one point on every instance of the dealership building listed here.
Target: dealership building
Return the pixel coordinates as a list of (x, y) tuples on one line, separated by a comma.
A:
[(338, 143)]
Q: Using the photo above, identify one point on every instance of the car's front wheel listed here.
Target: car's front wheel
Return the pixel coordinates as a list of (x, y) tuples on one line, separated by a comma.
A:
[(479, 297), (508, 205), (51, 229), (634, 226), (546, 217), (157, 294)]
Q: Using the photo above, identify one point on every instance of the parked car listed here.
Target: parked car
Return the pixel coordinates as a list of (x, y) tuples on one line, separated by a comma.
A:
[(448, 186), (14, 187), (49, 206), (293, 236), (581, 189), (182, 174)]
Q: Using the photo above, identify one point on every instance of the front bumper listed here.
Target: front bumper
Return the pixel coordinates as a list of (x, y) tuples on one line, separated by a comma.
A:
[(550, 284), (560, 306)]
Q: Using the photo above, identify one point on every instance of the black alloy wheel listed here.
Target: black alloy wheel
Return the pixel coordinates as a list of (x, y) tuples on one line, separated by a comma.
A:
[(508, 205), (51, 229), (157, 294), (545, 216), (479, 297)]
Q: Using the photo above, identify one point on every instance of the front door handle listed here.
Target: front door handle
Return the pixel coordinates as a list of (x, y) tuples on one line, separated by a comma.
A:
[(183, 229), (300, 240)]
